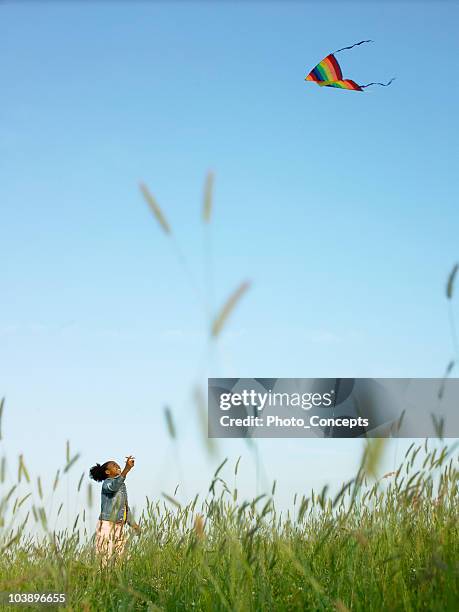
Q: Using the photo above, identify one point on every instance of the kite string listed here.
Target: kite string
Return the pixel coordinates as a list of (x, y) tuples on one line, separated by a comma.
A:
[(354, 45)]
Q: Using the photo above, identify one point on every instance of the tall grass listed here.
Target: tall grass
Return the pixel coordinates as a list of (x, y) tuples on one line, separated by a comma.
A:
[(385, 543), (378, 544)]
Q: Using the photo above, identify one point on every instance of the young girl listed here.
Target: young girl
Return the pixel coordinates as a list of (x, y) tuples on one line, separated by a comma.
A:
[(115, 512)]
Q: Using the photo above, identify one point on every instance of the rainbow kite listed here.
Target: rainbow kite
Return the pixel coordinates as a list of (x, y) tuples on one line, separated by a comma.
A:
[(328, 73)]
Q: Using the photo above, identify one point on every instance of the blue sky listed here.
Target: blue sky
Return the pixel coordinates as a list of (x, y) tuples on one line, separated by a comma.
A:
[(339, 206)]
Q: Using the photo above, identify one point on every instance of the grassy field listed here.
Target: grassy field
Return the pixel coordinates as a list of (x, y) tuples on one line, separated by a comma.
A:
[(380, 544)]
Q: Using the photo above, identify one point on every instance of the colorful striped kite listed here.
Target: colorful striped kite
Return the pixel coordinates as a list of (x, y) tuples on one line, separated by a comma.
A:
[(328, 73)]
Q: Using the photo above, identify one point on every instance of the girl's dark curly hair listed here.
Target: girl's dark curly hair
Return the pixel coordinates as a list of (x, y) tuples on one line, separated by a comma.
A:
[(97, 472)]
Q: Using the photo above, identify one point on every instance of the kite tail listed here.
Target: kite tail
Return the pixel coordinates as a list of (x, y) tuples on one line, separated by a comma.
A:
[(355, 45), (382, 84)]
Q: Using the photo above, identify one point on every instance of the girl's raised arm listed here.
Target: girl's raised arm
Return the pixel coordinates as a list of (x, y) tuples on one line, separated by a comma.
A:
[(114, 484), (129, 465)]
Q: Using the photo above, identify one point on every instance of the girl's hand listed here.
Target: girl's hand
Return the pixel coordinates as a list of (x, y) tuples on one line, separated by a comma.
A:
[(130, 462), (137, 529), (129, 465)]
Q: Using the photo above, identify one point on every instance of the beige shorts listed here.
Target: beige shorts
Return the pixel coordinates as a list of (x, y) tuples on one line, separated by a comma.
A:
[(110, 540)]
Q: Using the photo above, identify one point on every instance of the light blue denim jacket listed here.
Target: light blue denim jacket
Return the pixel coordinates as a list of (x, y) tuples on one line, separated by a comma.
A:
[(113, 501)]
